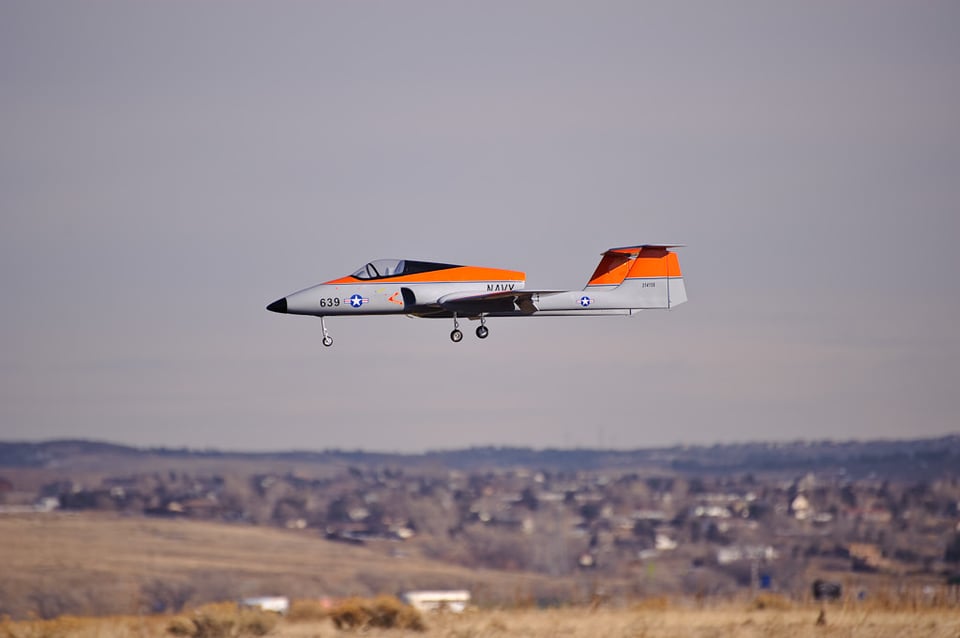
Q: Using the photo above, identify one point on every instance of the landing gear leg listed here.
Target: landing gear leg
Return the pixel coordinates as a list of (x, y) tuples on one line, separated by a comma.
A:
[(456, 336), (482, 330), (327, 339)]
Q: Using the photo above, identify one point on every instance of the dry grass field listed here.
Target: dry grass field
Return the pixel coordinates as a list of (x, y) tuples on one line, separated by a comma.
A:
[(727, 621), (96, 564), (97, 576), (732, 621)]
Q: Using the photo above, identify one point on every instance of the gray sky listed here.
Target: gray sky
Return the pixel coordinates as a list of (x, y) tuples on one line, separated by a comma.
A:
[(169, 168)]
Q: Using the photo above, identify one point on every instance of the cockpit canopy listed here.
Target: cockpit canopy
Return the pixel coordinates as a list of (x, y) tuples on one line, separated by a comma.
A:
[(394, 267), (380, 268)]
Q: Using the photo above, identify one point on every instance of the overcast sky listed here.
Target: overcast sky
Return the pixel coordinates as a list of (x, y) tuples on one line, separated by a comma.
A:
[(169, 168)]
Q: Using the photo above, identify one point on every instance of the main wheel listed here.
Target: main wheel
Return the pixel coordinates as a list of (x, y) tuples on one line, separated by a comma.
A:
[(482, 332), (328, 341), (456, 336)]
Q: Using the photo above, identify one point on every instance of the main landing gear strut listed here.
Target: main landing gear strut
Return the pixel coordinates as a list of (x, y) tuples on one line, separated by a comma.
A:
[(482, 331)]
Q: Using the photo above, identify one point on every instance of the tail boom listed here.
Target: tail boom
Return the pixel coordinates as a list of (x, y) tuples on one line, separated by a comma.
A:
[(627, 279)]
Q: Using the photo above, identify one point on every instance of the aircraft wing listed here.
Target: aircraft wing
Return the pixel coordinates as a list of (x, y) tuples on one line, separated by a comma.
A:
[(502, 301)]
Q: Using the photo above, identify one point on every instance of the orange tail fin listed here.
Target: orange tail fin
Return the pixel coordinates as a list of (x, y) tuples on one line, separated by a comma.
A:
[(614, 267), (655, 261), (645, 260)]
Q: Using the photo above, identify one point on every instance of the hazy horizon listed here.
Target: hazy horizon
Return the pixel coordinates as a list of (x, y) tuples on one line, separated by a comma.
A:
[(168, 169), (466, 448)]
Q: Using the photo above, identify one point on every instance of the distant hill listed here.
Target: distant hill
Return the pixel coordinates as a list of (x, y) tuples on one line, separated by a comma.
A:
[(911, 458)]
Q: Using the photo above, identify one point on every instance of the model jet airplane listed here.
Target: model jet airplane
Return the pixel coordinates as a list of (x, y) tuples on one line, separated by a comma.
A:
[(627, 279)]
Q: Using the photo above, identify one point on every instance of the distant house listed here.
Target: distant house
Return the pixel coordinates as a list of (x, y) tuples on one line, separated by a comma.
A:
[(47, 504), (276, 604), (455, 600), (734, 553), (711, 511), (663, 542), (656, 516), (801, 508), (822, 518)]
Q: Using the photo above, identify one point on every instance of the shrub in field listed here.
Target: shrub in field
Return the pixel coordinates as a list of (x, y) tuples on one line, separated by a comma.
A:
[(496, 626), (159, 596), (349, 614), (51, 628), (651, 603), (254, 622), (771, 601), (307, 611), (181, 626), (388, 612), (383, 612), (223, 620), (213, 620)]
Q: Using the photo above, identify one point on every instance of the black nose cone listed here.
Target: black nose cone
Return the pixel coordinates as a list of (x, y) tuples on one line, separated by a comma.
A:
[(280, 305)]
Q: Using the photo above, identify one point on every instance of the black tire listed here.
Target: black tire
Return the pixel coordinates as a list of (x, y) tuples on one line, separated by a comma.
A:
[(456, 336), (482, 332), (328, 341)]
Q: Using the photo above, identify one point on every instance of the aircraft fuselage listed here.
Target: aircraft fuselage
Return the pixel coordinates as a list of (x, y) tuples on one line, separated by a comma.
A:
[(341, 297), (628, 279)]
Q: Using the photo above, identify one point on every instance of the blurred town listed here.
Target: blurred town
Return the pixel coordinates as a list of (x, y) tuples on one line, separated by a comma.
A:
[(691, 521)]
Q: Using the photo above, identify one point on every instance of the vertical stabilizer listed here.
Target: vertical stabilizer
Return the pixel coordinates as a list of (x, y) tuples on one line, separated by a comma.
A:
[(654, 279), (613, 267)]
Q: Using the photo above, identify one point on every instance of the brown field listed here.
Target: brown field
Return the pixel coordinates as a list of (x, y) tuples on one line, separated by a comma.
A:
[(663, 623), (98, 575), (730, 620), (97, 564)]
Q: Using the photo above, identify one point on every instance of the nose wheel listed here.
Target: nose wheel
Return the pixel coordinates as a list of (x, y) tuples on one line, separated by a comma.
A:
[(456, 336), (327, 339)]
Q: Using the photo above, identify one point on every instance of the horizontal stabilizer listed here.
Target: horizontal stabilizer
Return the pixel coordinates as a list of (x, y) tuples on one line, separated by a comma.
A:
[(636, 249)]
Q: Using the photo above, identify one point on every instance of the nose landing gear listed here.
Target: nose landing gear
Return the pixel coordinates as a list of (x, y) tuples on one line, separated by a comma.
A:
[(327, 339), (456, 336)]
